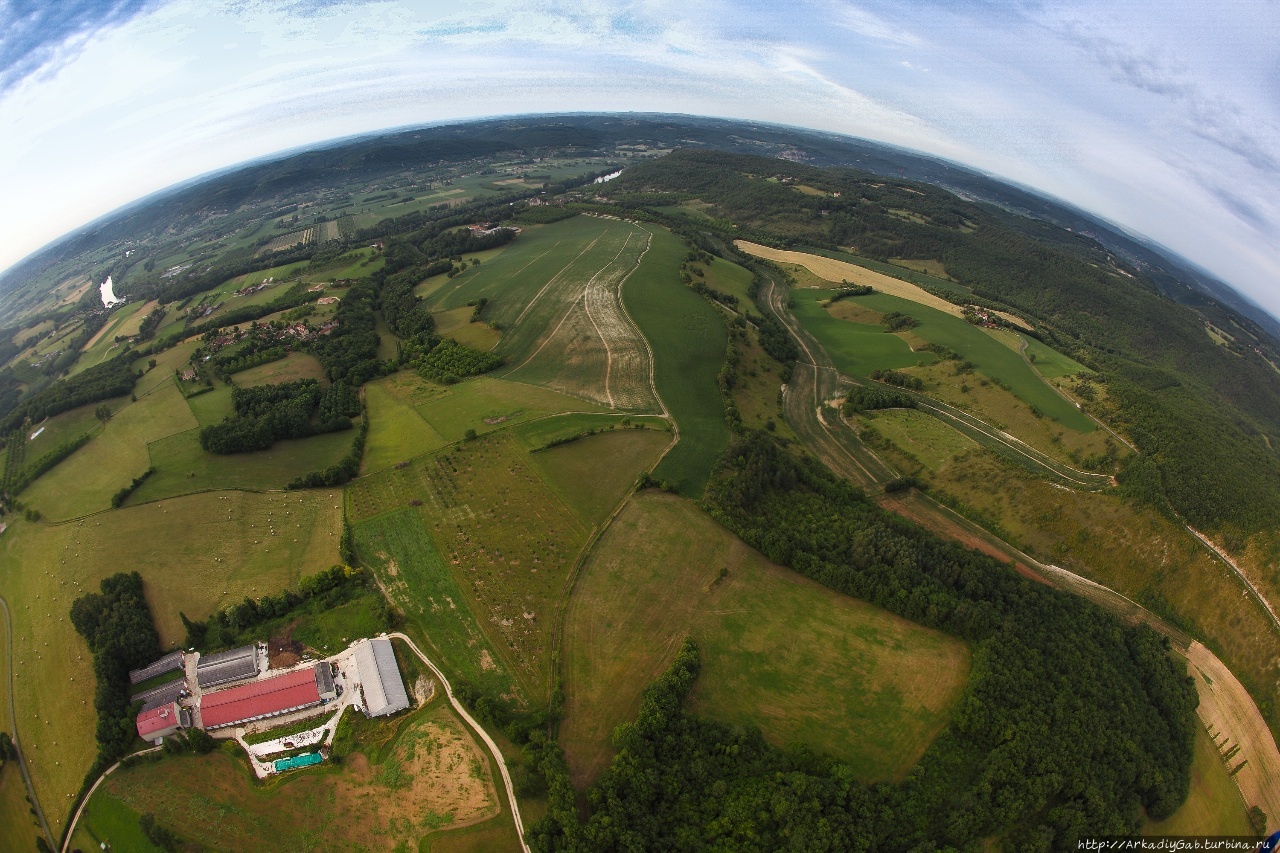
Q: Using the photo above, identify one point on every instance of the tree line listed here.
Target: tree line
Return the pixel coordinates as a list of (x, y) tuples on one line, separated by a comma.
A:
[(266, 414)]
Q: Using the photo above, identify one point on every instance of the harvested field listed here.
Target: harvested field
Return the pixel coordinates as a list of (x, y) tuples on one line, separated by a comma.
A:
[(285, 241), (803, 662), (838, 271)]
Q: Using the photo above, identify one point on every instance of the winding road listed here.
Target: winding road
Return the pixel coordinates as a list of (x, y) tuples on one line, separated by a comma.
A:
[(1226, 709)]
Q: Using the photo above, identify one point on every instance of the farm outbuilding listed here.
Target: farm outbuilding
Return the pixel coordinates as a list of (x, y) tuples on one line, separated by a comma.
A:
[(270, 697), (159, 723), (379, 676), (162, 695), (225, 667), (168, 663)]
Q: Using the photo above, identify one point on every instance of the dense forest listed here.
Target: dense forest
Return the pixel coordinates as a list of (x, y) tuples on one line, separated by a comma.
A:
[(117, 626), (1072, 724), (270, 413)]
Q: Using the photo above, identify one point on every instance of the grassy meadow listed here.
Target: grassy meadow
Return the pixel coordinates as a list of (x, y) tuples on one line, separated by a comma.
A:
[(594, 473), (1214, 806), (396, 431), (805, 664), (688, 340)]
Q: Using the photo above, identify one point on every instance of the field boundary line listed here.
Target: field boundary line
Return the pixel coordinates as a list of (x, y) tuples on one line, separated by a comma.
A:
[(84, 802), (1222, 555), (13, 717), (471, 721)]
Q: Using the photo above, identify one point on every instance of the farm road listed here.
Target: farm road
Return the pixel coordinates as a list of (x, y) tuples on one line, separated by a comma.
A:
[(13, 717), (1226, 709)]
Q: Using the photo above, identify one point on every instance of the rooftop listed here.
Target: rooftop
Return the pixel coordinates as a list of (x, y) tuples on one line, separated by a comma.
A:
[(268, 697)]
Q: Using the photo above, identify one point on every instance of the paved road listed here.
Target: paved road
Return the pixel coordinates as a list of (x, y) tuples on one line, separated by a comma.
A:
[(479, 730), (17, 745)]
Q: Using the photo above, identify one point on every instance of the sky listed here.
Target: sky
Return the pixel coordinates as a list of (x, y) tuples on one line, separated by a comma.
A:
[(1162, 117)]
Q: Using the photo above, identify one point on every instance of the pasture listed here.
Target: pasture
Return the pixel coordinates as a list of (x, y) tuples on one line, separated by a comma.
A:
[(932, 442), (196, 554), (18, 826), (456, 323), (406, 778), (504, 534), (396, 431), (294, 366), (804, 663), (483, 403), (594, 473), (416, 580), (85, 481), (1048, 362), (728, 277), (688, 340), (182, 466)]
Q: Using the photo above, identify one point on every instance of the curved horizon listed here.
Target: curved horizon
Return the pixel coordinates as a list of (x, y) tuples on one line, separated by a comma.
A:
[(1159, 119)]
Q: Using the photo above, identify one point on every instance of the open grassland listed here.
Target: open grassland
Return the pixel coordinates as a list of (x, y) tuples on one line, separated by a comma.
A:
[(1214, 806), (182, 466), (32, 333), (593, 474), (133, 324), (292, 367), (504, 534), (758, 391), (456, 323), (927, 266), (415, 775), (840, 271), (388, 341), (67, 426), (211, 407), (482, 404), (360, 263), (1132, 550), (86, 480), (108, 820), (688, 339), (196, 554), (930, 441), (538, 434), (805, 664), (415, 578), (396, 431)]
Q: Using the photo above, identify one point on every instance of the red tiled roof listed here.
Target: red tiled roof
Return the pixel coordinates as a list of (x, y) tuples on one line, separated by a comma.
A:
[(295, 689), (156, 720)]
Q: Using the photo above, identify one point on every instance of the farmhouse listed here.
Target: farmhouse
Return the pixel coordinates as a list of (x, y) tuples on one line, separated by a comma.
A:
[(168, 663), (269, 697), (159, 723), (224, 667), (379, 677)]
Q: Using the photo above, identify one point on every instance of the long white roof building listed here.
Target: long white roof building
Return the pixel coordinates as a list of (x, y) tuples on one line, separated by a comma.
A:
[(379, 676)]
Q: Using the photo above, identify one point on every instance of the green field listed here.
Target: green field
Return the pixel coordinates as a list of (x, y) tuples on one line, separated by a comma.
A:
[(688, 339), (508, 538), (292, 367), (988, 355), (18, 826), (396, 431), (593, 474), (805, 664), (932, 442), (67, 426), (1214, 806), (1048, 362), (406, 778), (85, 481), (196, 554), (107, 820), (728, 277), (856, 348), (483, 404), (537, 434), (456, 323), (413, 573)]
